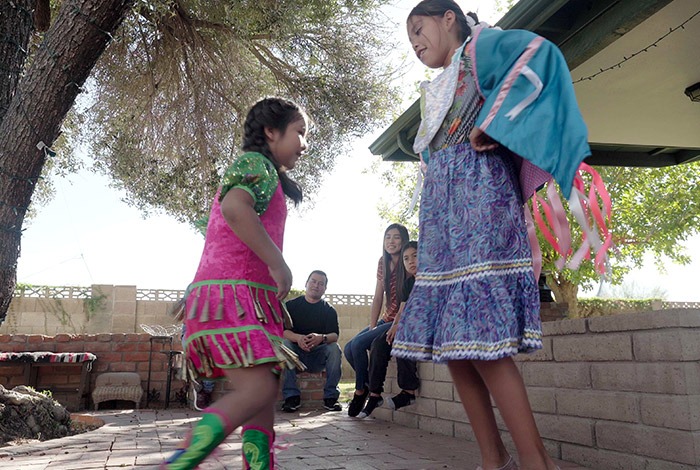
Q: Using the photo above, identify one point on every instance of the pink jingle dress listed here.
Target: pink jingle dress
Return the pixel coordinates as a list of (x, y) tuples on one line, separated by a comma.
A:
[(233, 316)]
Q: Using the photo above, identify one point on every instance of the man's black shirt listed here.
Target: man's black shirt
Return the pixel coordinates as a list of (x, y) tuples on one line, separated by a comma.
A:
[(308, 318)]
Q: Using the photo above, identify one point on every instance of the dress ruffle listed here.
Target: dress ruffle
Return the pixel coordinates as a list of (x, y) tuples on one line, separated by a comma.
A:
[(475, 295), (482, 312)]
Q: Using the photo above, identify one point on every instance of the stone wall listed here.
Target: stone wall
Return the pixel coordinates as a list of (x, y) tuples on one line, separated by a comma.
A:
[(616, 392)]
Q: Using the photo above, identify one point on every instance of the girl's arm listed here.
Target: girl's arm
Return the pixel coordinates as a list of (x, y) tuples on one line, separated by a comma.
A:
[(376, 304), (391, 334), (239, 213)]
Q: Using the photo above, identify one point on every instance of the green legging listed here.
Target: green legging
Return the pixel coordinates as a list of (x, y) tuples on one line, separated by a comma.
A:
[(210, 431), (257, 448)]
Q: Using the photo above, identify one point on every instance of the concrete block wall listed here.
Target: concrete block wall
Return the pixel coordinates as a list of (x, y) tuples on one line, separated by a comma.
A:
[(116, 310), (618, 392), (115, 353)]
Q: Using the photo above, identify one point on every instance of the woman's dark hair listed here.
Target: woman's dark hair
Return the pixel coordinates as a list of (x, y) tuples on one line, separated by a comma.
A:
[(401, 275), (439, 8), (400, 269), (273, 113)]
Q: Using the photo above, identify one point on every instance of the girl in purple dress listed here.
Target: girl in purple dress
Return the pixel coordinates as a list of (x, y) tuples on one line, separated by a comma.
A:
[(235, 317), (475, 302)]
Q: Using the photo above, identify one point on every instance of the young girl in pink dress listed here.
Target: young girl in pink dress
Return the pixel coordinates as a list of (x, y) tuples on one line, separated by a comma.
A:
[(234, 311)]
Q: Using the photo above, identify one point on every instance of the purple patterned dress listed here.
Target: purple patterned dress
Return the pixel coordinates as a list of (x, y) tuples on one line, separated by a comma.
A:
[(475, 295), (233, 316)]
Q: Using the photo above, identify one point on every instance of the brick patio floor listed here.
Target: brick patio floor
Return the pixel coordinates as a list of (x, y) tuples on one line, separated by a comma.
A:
[(317, 440)]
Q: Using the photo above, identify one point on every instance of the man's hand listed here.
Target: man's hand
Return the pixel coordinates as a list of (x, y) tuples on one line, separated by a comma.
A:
[(301, 342), (313, 340), (391, 334), (310, 341)]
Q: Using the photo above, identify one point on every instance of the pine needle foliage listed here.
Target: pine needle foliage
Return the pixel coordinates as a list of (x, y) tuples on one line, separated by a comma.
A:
[(168, 99)]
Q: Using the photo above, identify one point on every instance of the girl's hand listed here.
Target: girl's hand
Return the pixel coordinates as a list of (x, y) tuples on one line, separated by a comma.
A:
[(480, 141), (391, 334), (283, 278)]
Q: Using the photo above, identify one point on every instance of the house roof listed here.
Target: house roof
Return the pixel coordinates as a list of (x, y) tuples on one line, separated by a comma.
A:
[(637, 114)]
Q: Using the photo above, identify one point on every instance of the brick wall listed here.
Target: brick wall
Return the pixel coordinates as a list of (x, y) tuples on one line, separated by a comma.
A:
[(311, 387), (122, 309), (618, 392), (115, 353), (63, 311)]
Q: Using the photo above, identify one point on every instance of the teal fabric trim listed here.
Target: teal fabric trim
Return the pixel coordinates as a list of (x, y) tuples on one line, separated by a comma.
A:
[(550, 132)]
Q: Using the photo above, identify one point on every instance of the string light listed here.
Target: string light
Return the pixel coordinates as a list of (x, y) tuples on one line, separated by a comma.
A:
[(646, 49), (5, 69), (9, 40), (15, 208), (78, 11), (20, 178), (11, 229), (20, 8)]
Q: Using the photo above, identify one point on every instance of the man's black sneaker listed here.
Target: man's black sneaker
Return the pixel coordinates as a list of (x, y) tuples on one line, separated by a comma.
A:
[(203, 399), (331, 404), (291, 404), (402, 399), (357, 403), (372, 403)]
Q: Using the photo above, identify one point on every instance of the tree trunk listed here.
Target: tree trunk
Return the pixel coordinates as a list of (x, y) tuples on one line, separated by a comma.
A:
[(76, 39), (564, 291), (16, 27)]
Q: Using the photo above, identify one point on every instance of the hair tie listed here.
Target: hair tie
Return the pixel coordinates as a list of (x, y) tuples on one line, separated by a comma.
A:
[(481, 24)]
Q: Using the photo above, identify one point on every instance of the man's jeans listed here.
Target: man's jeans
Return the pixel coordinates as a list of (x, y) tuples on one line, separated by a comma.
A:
[(326, 357)]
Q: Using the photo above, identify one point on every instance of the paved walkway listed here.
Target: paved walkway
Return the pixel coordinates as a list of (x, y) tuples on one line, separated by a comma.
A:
[(317, 441)]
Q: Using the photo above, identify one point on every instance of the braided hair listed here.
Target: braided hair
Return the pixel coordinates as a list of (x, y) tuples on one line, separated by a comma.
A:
[(439, 8), (273, 113)]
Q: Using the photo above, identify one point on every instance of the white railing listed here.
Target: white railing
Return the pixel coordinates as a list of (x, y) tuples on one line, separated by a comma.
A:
[(53, 292), (349, 299), (669, 305), (168, 295), (159, 295), (173, 295)]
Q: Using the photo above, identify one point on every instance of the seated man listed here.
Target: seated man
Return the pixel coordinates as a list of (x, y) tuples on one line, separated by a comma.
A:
[(314, 337)]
